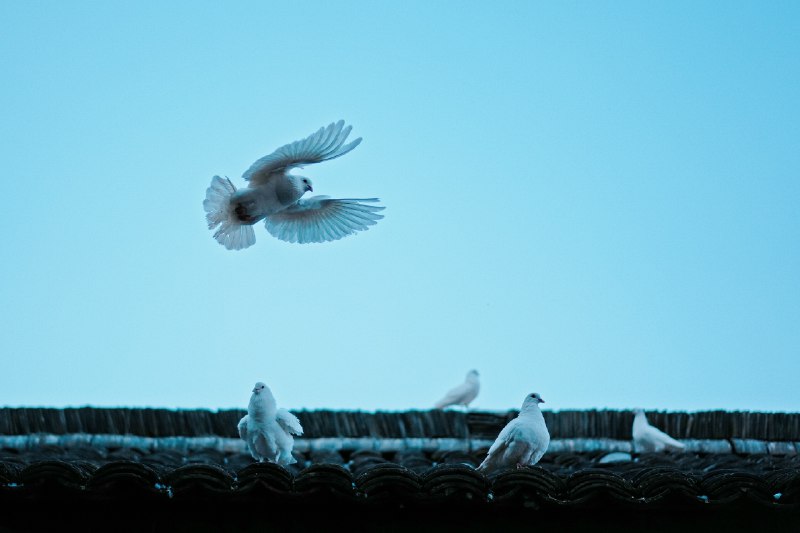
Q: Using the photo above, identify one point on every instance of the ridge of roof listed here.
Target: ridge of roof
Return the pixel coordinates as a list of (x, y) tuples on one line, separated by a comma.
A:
[(302, 445)]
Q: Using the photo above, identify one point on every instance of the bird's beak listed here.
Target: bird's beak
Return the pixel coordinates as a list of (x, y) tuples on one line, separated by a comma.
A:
[(310, 188), (255, 390), (541, 401)]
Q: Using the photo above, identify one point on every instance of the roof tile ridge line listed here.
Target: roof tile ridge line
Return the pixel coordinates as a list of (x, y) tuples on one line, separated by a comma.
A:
[(415, 409), (233, 444), (113, 440)]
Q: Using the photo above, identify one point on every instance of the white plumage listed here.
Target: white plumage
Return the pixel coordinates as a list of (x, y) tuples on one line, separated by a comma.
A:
[(647, 438), (522, 442), (275, 196), (462, 394), (267, 430)]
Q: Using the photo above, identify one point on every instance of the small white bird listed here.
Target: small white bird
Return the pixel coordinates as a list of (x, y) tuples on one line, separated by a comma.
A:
[(647, 438), (274, 195), (463, 394), (267, 430), (522, 442)]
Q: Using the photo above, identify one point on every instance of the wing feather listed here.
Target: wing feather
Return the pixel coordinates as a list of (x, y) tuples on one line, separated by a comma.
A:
[(323, 145), (321, 219), (454, 396), (243, 428), (289, 422), (656, 435)]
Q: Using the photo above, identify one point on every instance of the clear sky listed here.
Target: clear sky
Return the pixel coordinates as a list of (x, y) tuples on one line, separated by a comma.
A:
[(596, 201)]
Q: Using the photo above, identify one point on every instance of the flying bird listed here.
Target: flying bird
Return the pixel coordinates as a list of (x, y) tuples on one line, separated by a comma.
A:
[(267, 430), (463, 394), (522, 442), (276, 197), (647, 438)]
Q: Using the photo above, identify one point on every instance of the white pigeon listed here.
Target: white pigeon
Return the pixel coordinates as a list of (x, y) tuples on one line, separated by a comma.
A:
[(647, 438), (522, 442), (267, 430), (463, 394), (275, 196)]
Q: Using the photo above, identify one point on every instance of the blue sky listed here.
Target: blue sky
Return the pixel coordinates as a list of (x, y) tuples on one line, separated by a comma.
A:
[(596, 201)]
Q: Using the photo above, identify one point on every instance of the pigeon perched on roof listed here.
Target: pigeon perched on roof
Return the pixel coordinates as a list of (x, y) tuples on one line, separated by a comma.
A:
[(275, 196), (463, 394), (522, 442), (267, 430), (647, 438)]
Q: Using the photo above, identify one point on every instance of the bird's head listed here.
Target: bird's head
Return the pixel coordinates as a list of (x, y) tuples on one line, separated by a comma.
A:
[(302, 184), (531, 400), (259, 388), (472, 375)]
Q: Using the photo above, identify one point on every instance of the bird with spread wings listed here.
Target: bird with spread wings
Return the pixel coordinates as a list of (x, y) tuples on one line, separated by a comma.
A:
[(275, 196)]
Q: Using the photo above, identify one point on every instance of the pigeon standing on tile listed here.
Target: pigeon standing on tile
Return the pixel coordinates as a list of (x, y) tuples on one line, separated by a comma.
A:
[(463, 394), (646, 438), (267, 430), (522, 442), (275, 196)]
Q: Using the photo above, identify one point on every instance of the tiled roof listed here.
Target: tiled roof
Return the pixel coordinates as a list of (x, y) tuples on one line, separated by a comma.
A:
[(409, 463), (613, 424)]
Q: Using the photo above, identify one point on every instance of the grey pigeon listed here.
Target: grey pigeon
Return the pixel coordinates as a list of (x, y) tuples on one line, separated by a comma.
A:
[(267, 430), (463, 394), (522, 442), (275, 196), (648, 439)]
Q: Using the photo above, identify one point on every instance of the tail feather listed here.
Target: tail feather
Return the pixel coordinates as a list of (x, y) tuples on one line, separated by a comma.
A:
[(673, 444), (231, 233), (235, 236), (216, 203), (488, 466)]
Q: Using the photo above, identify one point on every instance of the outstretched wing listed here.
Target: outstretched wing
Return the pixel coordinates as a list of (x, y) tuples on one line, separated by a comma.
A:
[(327, 143), (289, 422), (321, 219)]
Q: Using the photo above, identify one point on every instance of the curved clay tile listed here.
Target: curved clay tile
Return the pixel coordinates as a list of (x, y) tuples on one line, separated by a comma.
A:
[(389, 482), (197, 480), (124, 479), (325, 479), (455, 481), (264, 477)]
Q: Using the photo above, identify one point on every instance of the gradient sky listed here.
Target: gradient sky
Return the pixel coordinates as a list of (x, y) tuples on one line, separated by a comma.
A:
[(597, 201)]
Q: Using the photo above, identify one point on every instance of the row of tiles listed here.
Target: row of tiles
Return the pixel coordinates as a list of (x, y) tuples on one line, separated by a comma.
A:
[(590, 423), (358, 461), (647, 486)]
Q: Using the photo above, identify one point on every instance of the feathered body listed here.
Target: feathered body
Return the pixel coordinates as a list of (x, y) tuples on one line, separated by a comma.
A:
[(647, 439), (267, 430), (462, 394), (275, 196), (522, 442)]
